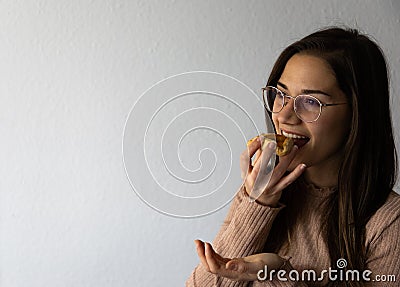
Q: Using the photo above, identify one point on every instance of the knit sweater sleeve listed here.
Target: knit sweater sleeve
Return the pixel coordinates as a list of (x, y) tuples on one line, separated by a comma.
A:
[(383, 245), (243, 233)]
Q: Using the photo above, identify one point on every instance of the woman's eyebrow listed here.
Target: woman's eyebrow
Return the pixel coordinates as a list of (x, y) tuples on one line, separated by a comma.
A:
[(306, 91), (282, 85)]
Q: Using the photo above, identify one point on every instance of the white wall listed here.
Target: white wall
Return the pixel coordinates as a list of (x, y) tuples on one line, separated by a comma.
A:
[(70, 74)]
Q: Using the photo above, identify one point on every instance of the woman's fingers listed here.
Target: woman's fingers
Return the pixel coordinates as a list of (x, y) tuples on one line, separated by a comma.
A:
[(265, 157), (214, 260), (245, 157), (200, 248), (282, 166), (245, 269), (221, 260), (237, 265), (239, 269), (256, 157), (218, 265), (252, 148), (261, 173), (290, 178), (241, 265)]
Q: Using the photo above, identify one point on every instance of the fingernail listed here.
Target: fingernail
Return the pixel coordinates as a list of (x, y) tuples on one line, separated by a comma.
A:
[(303, 166), (271, 145), (233, 266)]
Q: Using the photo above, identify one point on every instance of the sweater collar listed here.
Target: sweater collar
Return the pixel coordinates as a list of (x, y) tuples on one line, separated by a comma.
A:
[(316, 190)]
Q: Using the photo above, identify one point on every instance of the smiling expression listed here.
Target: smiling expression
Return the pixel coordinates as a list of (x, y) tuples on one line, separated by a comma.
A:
[(322, 150)]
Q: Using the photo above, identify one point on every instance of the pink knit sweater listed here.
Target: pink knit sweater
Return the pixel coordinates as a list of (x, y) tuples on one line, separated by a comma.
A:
[(247, 225)]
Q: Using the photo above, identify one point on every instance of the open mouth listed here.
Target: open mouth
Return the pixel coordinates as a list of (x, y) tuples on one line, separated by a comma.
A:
[(299, 140)]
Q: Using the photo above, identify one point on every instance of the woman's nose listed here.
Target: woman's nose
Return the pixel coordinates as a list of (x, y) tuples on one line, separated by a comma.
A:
[(287, 114)]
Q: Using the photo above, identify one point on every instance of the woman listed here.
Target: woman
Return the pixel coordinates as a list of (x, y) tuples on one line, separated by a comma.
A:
[(329, 208)]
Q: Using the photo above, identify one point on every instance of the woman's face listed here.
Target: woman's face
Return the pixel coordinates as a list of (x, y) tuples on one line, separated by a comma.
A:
[(322, 150)]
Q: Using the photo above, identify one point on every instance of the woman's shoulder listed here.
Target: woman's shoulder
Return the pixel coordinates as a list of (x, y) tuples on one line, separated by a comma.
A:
[(388, 215)]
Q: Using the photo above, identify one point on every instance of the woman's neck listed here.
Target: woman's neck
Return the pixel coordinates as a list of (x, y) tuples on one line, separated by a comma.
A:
[(324, 174), (320, 178)]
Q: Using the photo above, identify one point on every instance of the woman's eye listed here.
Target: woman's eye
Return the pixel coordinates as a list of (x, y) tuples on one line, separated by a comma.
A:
[(311, 102)]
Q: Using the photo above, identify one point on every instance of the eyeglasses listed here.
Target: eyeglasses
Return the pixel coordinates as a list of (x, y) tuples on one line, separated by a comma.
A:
[(307, 108)]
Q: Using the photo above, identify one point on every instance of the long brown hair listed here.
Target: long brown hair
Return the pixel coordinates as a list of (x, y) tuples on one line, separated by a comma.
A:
[(369, 168)]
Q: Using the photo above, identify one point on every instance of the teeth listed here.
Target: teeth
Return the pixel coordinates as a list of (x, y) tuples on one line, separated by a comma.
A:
[(293, 135)]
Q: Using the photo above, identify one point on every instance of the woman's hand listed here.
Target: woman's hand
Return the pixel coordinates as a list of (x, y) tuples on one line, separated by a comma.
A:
[(257, 178), (239, 269)]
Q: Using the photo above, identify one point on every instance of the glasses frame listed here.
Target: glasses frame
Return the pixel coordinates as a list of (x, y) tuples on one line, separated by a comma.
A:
[(284, 103)]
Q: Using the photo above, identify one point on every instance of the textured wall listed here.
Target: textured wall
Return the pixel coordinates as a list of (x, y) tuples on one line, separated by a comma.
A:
[(70, 73)]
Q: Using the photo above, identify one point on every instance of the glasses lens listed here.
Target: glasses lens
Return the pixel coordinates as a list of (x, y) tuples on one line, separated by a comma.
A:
[(273, 99), (307, 108)]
